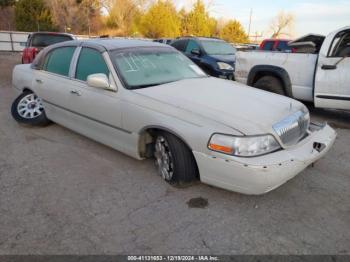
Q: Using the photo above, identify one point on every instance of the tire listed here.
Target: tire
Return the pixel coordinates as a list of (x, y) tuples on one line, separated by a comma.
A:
[(182, 167), (270, 84), (28, 109)]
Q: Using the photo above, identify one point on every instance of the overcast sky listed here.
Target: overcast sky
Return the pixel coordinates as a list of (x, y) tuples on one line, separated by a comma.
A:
[(311, 16)]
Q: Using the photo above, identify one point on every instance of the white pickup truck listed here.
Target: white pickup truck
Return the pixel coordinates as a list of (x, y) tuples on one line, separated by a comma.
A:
[(322, 77)]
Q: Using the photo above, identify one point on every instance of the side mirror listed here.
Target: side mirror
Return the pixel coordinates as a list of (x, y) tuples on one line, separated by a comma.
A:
[(196, 52), (98, 81)]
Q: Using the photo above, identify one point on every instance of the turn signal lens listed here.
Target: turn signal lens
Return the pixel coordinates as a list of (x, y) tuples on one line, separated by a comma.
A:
[(224, 149), (221, 143)]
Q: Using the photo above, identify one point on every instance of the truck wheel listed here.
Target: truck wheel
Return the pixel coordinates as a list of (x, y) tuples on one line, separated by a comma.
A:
[(28, 109), (174, 160), (270, 84)]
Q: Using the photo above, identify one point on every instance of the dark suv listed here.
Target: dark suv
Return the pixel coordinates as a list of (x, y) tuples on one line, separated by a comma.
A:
[(215, 56)]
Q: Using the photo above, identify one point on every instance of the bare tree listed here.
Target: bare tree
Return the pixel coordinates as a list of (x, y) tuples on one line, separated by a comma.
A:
[(75, 16), (282, 24)]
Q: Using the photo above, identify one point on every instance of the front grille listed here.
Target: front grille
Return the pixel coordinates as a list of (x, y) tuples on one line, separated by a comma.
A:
[(293, 128)]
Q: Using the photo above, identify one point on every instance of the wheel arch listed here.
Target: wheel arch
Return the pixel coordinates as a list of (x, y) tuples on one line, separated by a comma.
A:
[(24, 89), (280, 73), (146, 136)]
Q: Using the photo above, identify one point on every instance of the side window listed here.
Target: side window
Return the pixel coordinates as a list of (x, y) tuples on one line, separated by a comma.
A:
[(90, 62), (191, 45), (341, 45), (58, 60), (180, 45), (268, 45)]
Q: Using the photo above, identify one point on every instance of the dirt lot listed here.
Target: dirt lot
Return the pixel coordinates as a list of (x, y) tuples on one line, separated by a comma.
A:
[(61, 193)]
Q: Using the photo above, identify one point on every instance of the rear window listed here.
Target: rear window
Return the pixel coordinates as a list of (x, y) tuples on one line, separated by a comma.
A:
[(283, 46), (268, 45), (43, 40)]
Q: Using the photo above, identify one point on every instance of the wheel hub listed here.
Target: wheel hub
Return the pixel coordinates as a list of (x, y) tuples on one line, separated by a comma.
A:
[(164, 160), (30, 106)]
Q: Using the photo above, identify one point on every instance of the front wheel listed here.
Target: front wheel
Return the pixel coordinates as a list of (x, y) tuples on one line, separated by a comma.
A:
[(28, 109), (174, 160)]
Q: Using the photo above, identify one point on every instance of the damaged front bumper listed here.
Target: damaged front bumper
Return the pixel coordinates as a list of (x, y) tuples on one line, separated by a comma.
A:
[(259, 175)]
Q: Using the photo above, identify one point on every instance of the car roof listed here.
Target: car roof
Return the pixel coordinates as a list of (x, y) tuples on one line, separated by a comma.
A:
[(108, 44), (100, 44), (201, 38), (50, 33)]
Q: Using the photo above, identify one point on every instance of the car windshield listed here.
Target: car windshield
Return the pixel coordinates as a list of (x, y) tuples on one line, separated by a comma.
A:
[(43, 40), (145, 67), (218, 48)]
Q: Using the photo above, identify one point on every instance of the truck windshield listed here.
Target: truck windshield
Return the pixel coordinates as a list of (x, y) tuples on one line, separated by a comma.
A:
[(218, 48), (43, 40), (141, 68)]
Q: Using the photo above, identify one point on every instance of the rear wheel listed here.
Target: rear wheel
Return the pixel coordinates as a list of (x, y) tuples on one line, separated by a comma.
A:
[(270, 84), (174, 160), (28, 109)]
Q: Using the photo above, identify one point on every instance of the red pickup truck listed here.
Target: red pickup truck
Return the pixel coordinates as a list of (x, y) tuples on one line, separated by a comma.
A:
[(276, 45), (39, 40)]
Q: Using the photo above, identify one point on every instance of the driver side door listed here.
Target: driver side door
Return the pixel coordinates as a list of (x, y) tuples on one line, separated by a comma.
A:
[(332, 81)]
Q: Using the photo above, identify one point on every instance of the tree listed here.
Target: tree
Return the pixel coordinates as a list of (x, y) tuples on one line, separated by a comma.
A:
[(161, 20), (282, 24), (6, 3), (7, 14), (121, 15), (233, 32), (78, 16), (197, 21), (33, 15)]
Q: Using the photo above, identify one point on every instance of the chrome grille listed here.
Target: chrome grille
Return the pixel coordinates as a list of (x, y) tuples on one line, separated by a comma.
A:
[(293, 128)]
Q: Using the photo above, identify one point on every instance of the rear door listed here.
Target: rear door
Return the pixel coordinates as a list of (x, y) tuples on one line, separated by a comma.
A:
[(52, 83), (332, 81)]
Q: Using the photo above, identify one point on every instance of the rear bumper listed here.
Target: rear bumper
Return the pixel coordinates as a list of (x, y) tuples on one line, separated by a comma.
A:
[(259, 175)]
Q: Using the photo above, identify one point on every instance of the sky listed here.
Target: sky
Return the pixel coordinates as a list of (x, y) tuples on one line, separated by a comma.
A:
[(311, 16)]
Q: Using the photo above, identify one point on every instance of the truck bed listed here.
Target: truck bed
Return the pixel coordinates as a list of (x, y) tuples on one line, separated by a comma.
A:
[(300, 67)]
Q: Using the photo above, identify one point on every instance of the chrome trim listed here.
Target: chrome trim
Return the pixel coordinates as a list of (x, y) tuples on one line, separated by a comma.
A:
[(293, 128)]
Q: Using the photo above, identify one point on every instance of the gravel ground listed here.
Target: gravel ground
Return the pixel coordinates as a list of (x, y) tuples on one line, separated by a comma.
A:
[(61, 193)]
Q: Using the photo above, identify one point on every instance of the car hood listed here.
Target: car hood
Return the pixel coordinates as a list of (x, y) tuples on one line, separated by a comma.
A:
[(230, 59), (243, 108)]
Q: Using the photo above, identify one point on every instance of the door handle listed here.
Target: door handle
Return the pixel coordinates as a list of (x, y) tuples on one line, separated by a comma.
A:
[(329, 67), (39, 81), (75, 92)]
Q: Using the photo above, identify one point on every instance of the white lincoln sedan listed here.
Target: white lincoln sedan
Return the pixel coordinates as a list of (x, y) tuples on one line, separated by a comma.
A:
[(148, 100)]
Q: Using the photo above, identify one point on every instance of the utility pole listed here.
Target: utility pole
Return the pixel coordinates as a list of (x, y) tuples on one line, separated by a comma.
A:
[(250, 21)]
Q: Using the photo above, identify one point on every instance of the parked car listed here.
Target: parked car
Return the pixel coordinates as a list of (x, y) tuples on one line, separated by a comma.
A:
[(166, 41), (216, 57), (149, 100), (276, 45), (39, 40), (321, 77)]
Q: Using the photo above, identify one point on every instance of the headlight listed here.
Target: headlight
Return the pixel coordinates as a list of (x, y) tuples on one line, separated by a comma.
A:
[(245, 146), (224, 66)]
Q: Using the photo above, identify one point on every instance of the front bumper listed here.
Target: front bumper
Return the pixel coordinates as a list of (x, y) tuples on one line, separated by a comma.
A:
[(259, 175), (224, 74)]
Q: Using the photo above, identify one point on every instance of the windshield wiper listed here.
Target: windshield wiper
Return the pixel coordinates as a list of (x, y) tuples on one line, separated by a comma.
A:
[(150, 85)]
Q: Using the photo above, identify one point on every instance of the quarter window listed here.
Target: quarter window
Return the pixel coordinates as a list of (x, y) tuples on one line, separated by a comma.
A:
[(58, 61), (180, 45), (90, 62)]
